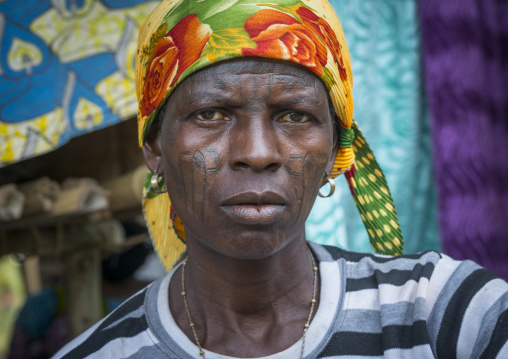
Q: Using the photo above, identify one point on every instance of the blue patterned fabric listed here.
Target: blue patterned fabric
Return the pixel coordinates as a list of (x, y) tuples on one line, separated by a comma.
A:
[(390, 107), (66, 68)]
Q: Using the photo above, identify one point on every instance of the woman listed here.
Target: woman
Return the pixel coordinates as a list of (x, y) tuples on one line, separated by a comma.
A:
[(245, 108)]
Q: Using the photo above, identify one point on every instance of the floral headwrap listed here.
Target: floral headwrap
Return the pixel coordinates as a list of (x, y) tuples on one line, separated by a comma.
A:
[(183, 36)]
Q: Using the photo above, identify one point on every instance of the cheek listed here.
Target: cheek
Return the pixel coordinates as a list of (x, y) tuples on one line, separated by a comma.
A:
[(306, 169), (191, 179), (306, 172), (308, 150), (188, 154)]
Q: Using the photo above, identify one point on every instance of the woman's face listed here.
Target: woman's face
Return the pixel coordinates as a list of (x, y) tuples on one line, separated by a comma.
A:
[(243, 147)]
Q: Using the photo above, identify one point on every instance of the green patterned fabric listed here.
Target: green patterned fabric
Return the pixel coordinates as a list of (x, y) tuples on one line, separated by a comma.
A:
[(390, 107), (373, 199)]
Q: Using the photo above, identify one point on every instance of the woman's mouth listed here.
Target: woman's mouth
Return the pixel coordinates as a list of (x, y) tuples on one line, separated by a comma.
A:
[(255, 208), (252, 214)]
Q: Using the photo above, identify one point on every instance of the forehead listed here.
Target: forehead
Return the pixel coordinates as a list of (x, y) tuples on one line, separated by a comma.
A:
[(252, 76)]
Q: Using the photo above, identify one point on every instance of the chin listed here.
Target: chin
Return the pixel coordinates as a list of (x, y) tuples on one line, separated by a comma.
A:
[(248, 246)]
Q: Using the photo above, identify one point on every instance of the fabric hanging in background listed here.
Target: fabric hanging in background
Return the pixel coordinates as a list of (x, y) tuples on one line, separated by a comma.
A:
[(465, 48), (390, 107), (66, 68)]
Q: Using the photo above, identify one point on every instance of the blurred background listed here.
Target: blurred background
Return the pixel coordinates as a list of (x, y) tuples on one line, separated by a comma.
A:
[(431, 96)]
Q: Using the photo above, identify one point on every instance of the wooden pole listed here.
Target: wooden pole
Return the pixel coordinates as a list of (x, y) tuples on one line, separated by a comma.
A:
[(82, 280), (32, 271), (79, 246)]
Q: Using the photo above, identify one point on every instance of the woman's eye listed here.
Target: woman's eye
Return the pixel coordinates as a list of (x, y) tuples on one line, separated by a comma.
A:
[(211, 115), (295, 117)]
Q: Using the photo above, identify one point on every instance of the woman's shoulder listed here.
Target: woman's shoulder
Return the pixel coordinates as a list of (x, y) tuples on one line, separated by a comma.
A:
[(436, 271), (127, 321), (458, 308), (364, 263)]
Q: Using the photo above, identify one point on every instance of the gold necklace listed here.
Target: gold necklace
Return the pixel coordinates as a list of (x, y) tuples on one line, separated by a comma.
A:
[(312, 304)]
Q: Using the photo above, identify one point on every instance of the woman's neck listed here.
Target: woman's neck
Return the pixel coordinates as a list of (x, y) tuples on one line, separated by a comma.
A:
[(234, 302)]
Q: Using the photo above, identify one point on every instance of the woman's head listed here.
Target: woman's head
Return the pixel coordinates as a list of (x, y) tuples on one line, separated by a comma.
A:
[(185, 58), (245, 144)]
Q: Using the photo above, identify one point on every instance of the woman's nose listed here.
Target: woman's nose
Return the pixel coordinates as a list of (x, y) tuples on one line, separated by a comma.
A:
[(255, 145)]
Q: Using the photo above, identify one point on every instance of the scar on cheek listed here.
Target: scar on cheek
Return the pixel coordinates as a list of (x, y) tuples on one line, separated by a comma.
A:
[(212, 159), (198, 161), (199, 169), (311, 167), (306, 168), (207, 160), (186, 163), (294, 165)]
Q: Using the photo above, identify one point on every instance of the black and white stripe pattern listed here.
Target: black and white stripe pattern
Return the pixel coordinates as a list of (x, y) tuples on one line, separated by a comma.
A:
[(123, 334), (418, 306)]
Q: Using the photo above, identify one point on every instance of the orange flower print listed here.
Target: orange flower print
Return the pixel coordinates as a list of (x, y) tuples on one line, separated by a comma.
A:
[(173, 54), (327, 35), (280, 36)]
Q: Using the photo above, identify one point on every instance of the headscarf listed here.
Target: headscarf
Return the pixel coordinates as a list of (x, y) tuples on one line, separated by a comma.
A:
[(182, 36)]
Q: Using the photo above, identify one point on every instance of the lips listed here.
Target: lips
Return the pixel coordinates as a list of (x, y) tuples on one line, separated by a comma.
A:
[(255, 208)]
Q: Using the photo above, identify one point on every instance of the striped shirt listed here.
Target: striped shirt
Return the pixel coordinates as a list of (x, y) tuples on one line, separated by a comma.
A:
[(371, 306)]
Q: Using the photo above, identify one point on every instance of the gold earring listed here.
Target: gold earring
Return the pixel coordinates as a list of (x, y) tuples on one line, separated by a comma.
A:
[(332, 185), (156, 178)]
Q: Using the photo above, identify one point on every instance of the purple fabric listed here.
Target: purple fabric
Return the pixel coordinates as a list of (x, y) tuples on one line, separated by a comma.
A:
[(465, 49)]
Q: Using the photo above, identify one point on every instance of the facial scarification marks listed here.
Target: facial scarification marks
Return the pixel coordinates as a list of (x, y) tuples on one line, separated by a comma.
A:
[(308, 174), (294, 165), (296, 83), (240, 88), (186, 168), (194, 92), (255, 85), (213, 164), (212, 160), (253, 104), (270, 84), (200, 168), (220, 81), (199, 175), (315, 175), (309, 170)]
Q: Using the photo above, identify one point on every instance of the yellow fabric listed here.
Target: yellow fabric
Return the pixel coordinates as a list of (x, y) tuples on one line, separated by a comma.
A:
[(12, 298)]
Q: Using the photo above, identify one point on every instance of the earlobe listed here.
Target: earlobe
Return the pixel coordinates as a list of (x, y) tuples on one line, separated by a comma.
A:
[(152, 152)]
